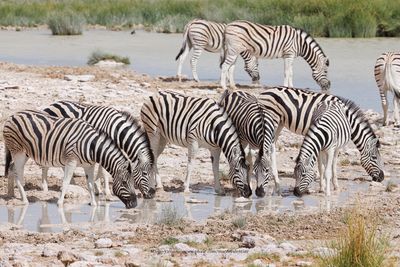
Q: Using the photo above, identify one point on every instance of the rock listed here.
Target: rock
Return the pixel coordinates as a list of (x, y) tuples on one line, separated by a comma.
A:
[(51, 250), (84, 264), (287, 247), (197, 238), (323, 251), (251, 239), (79, 78), (196, 201), (66, 257), (184, 247), (109, 64), (242, 200), (76, 192), (304, 263), (103, 243), (259, 263)]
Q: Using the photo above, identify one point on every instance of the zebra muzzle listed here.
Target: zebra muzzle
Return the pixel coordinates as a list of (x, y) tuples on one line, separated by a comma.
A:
[(130, 202), (246, 192), (150, 194), (297, 192), (260, 192)]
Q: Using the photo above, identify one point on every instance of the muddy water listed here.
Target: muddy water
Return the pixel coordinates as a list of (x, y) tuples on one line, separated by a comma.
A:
[(47, 217), (351, 60)]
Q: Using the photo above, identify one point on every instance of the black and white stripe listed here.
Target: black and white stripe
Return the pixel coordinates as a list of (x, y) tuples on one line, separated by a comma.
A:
[(256, 128), (264, 41), (194, 122), (387, 76), (123, 128), (329, 132), (66, 142), (295, 107), (207, 35)]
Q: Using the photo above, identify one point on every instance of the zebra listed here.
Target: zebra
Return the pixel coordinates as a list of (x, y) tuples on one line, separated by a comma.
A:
[(194, 122), (208, 35), (387, 76), (328, 133), (264, 41), (295, 108), (256, 128), (67, 142), (122, 127)]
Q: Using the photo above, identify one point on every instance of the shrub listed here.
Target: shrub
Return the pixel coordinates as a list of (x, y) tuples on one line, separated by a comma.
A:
[(97, 56), (169, 216), (66, 23), (358, 246)]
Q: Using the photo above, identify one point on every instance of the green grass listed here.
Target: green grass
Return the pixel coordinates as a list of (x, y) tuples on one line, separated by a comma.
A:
[(66, 23), (170, 241), (239, 222), (329, 18), (358, 246), (97, 56)]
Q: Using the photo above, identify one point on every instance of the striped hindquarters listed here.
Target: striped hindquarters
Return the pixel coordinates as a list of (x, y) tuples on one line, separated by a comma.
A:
[(206, 34), (387, 74)]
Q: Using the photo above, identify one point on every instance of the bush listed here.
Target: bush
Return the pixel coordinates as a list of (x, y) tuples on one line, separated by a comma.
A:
[(358, 246), (66, 23), (169, 216), (97, 56)]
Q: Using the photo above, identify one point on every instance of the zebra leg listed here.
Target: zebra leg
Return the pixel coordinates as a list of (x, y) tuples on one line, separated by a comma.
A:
[(196, 54), (288, 72), (334, 176), (215, 154), (90, 183), (45, 187), (383, 94), (321, 160), (328, 170), (232, 83), (11, 177), (226, 66), (396, 115), (192, 150), (106, 178), (277, 188), (181, 60), (157, 143), (68, 172), (19, 163)]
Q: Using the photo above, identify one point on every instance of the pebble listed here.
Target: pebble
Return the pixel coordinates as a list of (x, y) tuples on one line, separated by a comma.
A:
[(184, 247), (103, 243), (304, 263), (197, 238), (196, 201), (79, 78), (66, 257)]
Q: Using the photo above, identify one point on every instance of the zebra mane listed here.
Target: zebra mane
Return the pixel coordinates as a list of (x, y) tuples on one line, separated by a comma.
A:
[(307, 35), (358, 113), (130, 117)]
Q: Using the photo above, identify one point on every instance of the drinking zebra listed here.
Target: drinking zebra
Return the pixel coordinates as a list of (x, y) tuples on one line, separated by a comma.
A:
[(329, 132), (264, 41), (66, 142), (194, 122), (256, 129), (295, 108), (122, 127), (387, 76), (208, 35)]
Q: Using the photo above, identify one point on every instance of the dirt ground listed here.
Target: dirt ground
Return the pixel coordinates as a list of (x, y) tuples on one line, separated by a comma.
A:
[(35, 87)]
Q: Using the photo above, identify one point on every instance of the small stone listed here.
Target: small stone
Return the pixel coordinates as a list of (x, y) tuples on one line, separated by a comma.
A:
[(196, 201), (184, 247), (259, 263), (242, 200), (103, 243), (287, 247), (303, 263), (197, 238), (323, 251), (79, 78), (66, 257)]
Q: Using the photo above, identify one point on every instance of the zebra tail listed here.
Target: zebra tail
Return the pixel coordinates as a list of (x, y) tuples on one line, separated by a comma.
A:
[(185, 43), (224, 54), (8, 161)]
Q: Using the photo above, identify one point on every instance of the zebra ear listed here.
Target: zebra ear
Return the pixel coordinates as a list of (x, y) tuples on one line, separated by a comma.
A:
[(236, 152)]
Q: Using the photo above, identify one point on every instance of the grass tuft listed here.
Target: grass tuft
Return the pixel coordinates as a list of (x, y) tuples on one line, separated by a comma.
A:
[(239, 222), (358, 246), (97, 56), (66, 23), (169, 216)]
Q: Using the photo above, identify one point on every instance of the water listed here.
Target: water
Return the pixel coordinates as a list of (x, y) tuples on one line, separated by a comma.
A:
[(351, 60), (47, 217)]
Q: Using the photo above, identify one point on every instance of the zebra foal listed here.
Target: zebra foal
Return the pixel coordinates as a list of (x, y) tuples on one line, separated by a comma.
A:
[(263, 41), (256, 129), (122, 127), (194, 122), (207, 35), (66, 142), (329, 132), (387, 76)]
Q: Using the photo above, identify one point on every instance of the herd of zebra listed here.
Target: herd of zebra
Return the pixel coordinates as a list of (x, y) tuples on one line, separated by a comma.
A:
[(70, 134)]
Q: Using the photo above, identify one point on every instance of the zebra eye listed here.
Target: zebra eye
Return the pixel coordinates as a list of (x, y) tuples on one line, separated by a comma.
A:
[(144, 173)]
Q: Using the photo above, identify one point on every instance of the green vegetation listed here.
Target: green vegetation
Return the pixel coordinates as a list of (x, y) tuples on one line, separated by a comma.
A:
[(97, 56), (239, 222), (169, 216), (170, 241), (358, 246), (329, 18), (66, 23)]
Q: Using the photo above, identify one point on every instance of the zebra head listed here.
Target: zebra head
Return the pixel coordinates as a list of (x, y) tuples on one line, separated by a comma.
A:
[(144, 177), (238, 172), (263, 172), (320, 74), (371, 160), (123, 185), (304, 174)]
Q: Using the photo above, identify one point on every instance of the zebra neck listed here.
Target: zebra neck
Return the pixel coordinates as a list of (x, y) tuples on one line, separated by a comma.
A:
[(310, 149), (310, 50), (107, 154), (361, 131)]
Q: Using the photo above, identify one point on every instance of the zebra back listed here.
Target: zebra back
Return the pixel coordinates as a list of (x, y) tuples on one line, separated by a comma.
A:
[(52, 141)]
